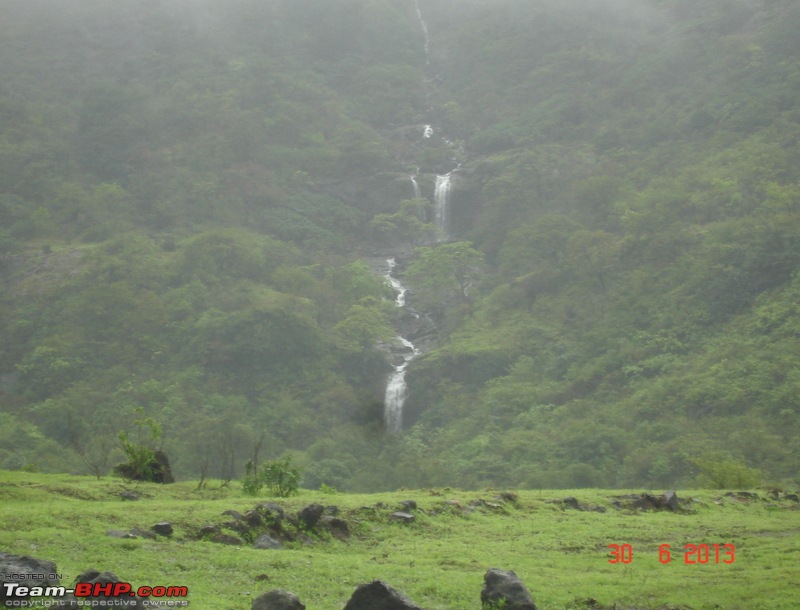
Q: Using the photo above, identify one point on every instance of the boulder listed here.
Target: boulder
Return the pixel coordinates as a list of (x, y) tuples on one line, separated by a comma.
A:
[(336, 526), (377, 595), (277, 600), (666, 501), (22, 564), (96, 577), (310, 515), (505, 589), (409, 505), (402, 517), (163, 529)]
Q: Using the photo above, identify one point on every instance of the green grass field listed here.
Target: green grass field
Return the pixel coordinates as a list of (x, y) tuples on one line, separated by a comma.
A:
[(438, 561)]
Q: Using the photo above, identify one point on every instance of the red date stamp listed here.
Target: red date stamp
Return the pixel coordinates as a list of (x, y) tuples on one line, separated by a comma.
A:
[(693, 554)]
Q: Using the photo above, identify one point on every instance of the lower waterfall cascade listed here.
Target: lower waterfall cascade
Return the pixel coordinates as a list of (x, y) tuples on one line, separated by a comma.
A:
[(396, 388)]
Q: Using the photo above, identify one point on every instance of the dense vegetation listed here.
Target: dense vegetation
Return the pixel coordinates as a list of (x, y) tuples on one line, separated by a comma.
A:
[(189, 190)]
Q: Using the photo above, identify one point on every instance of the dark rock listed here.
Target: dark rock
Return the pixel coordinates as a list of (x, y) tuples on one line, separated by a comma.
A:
[(162, 473), (157, 470), (11, 565), (408, 505), (233, 513), (670, 501), (253, 518), (138, 532), (332, 510), (506, 589), (265, 541), (129, 495), (277, 600), (96, 577), (310, 515), (336, 526), (744, 496), (272, 514), (270, 508), (163, 529), (793, 497), (225, 539), (403, 517), (509, 497), (207, 530), (377, 595), (571, 502), (666, 501)]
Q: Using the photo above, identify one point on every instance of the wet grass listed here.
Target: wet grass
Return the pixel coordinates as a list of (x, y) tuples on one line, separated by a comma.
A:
[(438, 561)]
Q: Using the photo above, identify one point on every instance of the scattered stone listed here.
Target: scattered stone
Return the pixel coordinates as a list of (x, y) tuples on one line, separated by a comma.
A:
[(129, 495), (262, 577), (493, 506), (377, 595), (332, 510), (402, 517), (138, 532), (278, 600), (265, 541), (163, 529), (502, 588), (408, 505), (310, 515), (119, 534)]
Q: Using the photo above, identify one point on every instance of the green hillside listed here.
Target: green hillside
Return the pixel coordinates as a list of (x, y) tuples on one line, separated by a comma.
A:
[(194, 195)]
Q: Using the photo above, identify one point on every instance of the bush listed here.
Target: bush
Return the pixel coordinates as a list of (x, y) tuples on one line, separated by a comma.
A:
[(279, 477), (722, 471)]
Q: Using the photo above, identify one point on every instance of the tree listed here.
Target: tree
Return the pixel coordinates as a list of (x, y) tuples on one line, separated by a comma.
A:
[(446, 272)]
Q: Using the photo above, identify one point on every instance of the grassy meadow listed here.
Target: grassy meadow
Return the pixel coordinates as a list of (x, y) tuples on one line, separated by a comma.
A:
[(438, 561)]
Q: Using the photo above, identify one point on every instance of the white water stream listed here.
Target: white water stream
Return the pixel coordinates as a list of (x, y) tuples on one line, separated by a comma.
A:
[(396, 389)]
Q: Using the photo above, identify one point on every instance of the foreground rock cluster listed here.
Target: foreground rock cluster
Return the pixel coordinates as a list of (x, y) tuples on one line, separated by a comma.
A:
[(501, 589)]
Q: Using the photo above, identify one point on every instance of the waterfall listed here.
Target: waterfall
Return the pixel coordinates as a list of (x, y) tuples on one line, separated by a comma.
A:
[(424, 27), (441, 194), (417, 192), (396, 387)]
